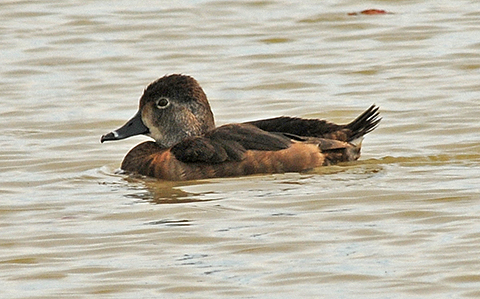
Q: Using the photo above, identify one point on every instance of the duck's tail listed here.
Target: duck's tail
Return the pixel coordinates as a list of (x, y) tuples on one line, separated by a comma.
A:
[(364, 124), (339, 151)]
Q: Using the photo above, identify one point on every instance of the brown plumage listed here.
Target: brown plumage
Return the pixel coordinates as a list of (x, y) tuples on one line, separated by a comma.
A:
[(175, 112)]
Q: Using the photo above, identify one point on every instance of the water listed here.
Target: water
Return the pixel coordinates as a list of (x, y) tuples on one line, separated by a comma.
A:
[(402, 222)]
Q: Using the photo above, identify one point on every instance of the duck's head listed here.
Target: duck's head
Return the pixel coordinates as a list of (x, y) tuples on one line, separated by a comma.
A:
[(171, 109)]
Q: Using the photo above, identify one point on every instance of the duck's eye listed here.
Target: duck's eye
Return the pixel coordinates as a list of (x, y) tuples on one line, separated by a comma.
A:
[(163, 103)]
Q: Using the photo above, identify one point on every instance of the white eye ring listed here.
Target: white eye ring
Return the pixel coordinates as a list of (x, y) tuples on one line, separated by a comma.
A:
[(162, 103)]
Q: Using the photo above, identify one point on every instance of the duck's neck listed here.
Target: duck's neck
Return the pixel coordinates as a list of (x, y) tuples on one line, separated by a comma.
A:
[(174, 134)]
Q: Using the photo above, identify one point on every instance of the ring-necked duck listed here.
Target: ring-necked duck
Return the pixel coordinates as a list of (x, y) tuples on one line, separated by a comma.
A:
[(175, 112)]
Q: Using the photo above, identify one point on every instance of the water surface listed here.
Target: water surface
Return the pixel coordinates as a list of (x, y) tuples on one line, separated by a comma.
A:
[(402, 222)]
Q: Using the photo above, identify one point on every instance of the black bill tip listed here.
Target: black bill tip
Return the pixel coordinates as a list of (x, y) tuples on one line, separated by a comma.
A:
[(107, 137)]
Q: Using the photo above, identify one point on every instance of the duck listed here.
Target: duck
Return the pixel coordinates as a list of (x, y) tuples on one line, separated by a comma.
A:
[(175, 112)]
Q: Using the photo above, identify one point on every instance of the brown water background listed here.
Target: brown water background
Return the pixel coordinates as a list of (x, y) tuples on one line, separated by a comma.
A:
[(402, 222)]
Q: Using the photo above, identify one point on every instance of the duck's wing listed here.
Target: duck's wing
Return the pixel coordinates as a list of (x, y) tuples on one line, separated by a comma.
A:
[(294, 126), (228, 143), (297, 126)]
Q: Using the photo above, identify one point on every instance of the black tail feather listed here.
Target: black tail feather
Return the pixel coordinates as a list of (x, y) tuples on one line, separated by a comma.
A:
[(365, 123)]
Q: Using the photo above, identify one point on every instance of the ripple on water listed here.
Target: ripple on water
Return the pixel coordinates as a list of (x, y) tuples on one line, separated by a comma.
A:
[(401, 221)]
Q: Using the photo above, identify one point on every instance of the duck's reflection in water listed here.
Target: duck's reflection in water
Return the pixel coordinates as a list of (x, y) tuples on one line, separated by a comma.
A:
[(164, 192)]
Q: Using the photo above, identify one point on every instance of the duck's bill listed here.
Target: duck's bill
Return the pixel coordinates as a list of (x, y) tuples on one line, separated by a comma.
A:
[(133, 127)]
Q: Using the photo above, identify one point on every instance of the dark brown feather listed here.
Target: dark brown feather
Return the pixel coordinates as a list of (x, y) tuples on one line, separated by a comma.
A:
[(228, 143), (295, 126)]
